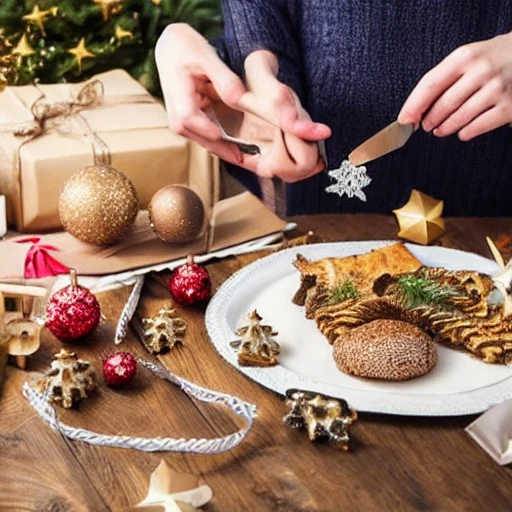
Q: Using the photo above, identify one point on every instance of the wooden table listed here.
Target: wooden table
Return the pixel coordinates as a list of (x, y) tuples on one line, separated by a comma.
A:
[(398, 463)]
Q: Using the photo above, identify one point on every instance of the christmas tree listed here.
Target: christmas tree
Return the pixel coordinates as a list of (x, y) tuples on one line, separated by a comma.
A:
[(70, 40)]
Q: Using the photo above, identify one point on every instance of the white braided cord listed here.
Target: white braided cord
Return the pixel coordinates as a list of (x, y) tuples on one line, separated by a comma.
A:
[(200, 446), (129, 310)]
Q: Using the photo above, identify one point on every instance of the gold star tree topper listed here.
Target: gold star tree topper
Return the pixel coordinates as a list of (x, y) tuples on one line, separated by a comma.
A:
[(37, 17), (420, 218), (175, 492), (81, 52)]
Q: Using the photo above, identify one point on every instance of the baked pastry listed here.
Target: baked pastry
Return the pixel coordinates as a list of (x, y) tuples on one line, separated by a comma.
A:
[(455, 307), (385, 350), (353, 276)]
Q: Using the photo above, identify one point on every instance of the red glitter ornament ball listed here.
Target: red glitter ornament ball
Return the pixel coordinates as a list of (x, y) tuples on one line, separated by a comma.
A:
[(119, 369), (72, 312), (190, 283)]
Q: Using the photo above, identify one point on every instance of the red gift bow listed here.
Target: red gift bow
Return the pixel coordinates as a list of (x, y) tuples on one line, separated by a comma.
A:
[(39, 262)]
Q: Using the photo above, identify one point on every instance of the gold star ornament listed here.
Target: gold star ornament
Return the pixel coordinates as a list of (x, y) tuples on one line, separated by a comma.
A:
[(23, 48), (81, 52), (109, 7), (7, 70), (121, 33), (37, 17), (420, 218), (174, 492)]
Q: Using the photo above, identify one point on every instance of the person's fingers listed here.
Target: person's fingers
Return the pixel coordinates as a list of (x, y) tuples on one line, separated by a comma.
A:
[(294, 119), (489, 120), (189, 75), (184, 111), (481, 101), (227, 85), (224, 150), (452, 99), (292, 160), (292, 176), (433, 84), (275, 102), (304, 154)]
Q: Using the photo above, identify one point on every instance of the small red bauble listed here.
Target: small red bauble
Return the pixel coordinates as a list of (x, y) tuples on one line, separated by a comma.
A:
[(72, 312), (119, 369), (190, 283)]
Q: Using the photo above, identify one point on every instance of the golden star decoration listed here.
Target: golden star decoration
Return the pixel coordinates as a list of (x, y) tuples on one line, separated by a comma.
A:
[(108, 7), (174, 492), (37, 17), (121, 33), (23, 48), (81, 52), (157, 2), (420, 218), (7, 70)]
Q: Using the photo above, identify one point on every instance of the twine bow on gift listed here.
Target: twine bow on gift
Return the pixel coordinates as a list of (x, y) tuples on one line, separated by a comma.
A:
[(43, 112), (90, 96), (39, 262)]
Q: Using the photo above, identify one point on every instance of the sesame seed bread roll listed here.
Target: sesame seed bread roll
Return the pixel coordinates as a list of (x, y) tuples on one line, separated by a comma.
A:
[(385, 350)]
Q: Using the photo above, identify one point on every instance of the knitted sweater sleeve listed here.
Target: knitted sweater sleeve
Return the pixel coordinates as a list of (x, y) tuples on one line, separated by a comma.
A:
[(251, 25)]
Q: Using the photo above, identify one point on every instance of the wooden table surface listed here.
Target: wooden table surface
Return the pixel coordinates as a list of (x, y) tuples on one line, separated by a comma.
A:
[(397, 463)]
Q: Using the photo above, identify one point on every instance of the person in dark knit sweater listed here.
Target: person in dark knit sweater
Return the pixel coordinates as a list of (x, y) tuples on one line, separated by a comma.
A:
[(340, 70)]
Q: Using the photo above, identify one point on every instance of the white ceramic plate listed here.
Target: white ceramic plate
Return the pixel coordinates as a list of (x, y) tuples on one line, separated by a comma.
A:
[(459, 384)]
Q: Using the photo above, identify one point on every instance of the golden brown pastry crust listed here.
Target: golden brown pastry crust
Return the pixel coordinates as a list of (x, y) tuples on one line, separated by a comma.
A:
[(386, 350)]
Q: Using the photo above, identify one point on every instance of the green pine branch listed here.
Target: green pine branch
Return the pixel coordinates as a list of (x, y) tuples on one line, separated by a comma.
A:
[(419, 291), (75, 19), (343, 291)]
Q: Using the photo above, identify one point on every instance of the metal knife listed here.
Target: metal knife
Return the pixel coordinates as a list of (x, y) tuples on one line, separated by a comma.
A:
[(390, 138)]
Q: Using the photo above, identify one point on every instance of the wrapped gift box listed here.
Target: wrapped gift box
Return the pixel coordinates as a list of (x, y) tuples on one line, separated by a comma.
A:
[(122, 124)]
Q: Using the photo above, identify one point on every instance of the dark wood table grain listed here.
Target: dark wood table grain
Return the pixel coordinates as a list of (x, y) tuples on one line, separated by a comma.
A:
[(398, 463)]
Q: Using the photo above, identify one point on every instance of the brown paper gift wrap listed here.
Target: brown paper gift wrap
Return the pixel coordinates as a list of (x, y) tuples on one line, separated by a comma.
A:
[(236, 220), (126, 123)]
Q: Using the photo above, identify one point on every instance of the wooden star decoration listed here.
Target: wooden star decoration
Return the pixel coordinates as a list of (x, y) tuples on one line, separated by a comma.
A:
[(23, 48), (81, 52), (175, 492), (108, 7), (37, 17), (420, 218)]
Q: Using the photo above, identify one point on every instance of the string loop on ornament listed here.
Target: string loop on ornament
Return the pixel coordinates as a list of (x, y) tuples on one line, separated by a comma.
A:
[(166, 444)]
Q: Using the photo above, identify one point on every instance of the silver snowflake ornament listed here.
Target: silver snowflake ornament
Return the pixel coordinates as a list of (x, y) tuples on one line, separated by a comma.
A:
[(350, 180)]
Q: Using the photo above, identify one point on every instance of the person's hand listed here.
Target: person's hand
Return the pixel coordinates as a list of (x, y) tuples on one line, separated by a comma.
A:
[(195, 81), (294, 153), (469, 92), (193, 78)]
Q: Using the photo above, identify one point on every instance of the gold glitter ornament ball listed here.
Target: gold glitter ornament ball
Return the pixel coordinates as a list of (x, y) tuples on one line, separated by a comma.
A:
[(98, 204), (176, 214)]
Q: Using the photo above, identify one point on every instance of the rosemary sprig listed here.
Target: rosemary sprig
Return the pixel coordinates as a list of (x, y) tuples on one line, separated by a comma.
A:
[(419, 291), (343, 291)]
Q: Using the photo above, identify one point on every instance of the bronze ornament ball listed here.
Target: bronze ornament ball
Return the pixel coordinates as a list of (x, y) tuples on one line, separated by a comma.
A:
[(98, 204), (176, 214)]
